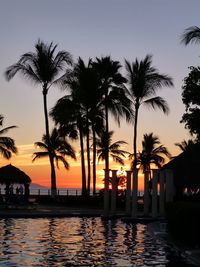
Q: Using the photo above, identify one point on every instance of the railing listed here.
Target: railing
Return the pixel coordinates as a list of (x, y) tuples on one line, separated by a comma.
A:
[(60, 192), (46, 191)]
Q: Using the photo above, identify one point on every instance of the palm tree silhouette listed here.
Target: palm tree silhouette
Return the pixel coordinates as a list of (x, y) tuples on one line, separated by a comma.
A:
[(186, 145), (43, 67), (7, 144), (115, 152), (152, 153), (144, 81), (191, 35), (59, 149), (114, 95), (81, 109)]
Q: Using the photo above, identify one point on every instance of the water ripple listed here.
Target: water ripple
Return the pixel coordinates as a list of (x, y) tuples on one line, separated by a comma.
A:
[(81, 242)]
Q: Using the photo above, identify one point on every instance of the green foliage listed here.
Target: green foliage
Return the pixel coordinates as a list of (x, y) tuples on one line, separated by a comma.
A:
[(191, 99)]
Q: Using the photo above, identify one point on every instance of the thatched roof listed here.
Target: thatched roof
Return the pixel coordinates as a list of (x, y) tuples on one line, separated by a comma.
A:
[(9, 174), (186, 168)]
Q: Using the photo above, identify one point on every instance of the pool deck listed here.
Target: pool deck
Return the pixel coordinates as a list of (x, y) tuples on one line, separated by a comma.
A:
[(45, 211)]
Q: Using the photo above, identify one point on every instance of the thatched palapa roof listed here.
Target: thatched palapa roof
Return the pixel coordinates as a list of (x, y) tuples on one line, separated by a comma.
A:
[(9, 174)]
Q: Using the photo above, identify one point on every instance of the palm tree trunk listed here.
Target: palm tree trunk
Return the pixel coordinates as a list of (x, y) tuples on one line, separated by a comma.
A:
[(84, 189), (94, 159), (51, 159), (107, 148), (88, 155), (135, 136)]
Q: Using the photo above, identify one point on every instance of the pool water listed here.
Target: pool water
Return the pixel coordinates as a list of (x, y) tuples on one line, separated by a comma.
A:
[(82, 242)]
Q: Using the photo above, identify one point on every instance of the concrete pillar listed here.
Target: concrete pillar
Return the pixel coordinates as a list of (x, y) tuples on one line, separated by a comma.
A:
[(169, 185), (128, 192), (135, 193), (162, 193), (114, 191), (154, 194), (146, 193), (106, 193)]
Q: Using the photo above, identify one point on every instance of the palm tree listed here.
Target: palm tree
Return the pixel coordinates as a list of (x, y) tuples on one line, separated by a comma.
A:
[(7, 144), (116, 153), (144, 81), (59, 149), (152, 153), (67, 113), (43, 67), (81, 107), (114, 95), (191, 35), (185, 145)]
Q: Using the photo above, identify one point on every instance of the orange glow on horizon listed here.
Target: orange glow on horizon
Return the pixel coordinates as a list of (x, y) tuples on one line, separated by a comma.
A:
[(39, 171)]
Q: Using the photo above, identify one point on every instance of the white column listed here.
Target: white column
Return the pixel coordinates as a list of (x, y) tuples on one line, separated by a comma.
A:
[(135, 193), (114, 191), (154, 194), (169, 185), (106, 193), (162, 193), (128, 192), (146, 193)]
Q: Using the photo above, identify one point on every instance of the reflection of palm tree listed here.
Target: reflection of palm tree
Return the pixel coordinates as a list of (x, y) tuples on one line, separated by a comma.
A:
[(59, 149), (185, 145), (115, 152), (191, 35), (42, 67), (144, 80), (7, 144)]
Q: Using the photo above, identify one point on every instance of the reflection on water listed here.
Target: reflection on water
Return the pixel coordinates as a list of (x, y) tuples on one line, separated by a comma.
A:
[(81, 242)]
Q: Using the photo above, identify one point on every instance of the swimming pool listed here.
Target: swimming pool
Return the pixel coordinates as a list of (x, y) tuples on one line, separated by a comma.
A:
[(82, 242)]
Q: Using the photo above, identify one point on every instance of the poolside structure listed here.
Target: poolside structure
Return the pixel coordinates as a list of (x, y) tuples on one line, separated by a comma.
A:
[(186, 170), (154, 200), (10, 174)]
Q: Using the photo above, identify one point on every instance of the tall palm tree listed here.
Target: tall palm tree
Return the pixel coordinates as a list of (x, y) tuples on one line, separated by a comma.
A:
[(185, 145), (114, 95), (67, 113), (43, 67), (144, 81), (116, 153), (191, 35), (59, 149), (7, 144), (81, 107)]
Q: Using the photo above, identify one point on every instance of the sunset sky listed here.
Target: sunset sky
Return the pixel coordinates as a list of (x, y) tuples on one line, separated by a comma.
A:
[(123, 29)]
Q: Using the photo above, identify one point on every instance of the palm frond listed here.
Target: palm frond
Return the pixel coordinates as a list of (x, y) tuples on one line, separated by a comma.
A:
[(5, 130), (157, 102), (38, 155), (191, 35)]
